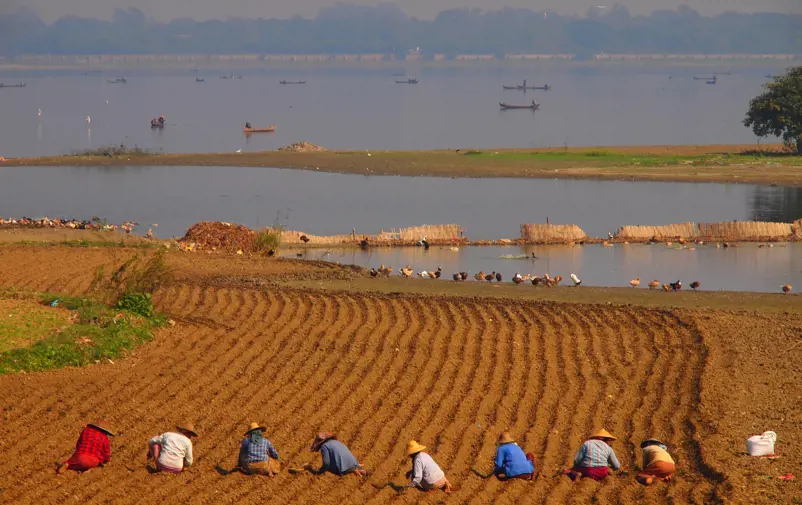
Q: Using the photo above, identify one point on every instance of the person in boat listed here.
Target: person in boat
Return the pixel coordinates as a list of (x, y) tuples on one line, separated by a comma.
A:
[(161, 120), (257, 454), (92, 450), (248, 125), (172, 451), (594, 457), (335, 455), (425, 474), (511, 462), (657, 462)]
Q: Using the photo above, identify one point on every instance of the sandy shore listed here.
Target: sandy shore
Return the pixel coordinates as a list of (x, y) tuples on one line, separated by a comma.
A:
[(702, 163)]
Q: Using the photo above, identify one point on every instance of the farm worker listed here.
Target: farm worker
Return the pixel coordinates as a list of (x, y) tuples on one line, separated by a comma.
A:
[(92, 450), (256, 454), (657, 462), (336, 457), (593, 457), (425, 473), (173, 451), (511, 462)]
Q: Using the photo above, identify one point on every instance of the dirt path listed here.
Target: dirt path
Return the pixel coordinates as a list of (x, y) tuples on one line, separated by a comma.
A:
[(381, 368)]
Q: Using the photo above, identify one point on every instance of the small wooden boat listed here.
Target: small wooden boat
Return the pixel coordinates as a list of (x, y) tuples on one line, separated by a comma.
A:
[(524, 87), (248, 131), (119, 80), (533, 106), (292, 82), (200, 79), (19, 85), (411, 80)]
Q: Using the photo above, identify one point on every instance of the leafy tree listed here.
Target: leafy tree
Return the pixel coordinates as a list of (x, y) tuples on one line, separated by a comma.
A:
[(778, 111)]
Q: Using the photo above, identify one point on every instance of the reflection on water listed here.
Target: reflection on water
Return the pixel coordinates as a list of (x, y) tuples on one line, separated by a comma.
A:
[(322, 203), (779, 204), (746, 267)]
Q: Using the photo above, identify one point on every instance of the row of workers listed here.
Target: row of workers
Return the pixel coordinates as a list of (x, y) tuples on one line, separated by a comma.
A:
[(172, 452)]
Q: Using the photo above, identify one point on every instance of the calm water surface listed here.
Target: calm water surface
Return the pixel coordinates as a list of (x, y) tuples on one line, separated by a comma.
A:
[(321, 203), (362, 108), (743, 268)]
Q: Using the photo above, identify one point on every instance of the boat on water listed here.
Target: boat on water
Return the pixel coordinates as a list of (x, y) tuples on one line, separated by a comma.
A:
[(292, 82), (533, 106), (411, 80), (18, 85), (711, 81), (248, 130), (703, 78), (157, 123), (200, 79), (119, 80), (524, 87)]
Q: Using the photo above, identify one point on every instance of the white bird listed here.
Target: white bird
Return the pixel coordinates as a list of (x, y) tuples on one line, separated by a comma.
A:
[(40, 111), (88, 120), (238, 151), (367, 152), (107, 102), (575, 280), (423, 273)]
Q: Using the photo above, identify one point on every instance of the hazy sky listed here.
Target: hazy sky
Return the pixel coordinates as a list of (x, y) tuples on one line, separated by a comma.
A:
[(164, 10)]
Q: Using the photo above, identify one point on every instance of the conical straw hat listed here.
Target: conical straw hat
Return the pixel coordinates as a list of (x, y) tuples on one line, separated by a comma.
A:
[(187, 428), (104, 426), (255, 426), (414, 448), (604, 435), (505, 438)]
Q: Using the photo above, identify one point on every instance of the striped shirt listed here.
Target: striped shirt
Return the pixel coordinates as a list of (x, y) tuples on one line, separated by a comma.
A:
[(596, 453)]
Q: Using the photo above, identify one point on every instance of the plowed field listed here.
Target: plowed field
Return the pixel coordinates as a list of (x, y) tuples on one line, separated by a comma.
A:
[(380, 369)]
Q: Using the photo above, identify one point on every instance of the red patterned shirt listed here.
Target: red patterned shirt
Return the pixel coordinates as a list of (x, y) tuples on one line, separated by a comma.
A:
[(94, 443)]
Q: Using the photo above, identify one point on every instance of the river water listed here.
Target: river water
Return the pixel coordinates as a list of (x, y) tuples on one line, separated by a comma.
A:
[(363, 108), (320, 203)]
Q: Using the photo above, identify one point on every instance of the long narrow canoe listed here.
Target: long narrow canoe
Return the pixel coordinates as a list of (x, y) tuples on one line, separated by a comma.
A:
[(524, 88), (269, 129), (292, 82), (20, 85), (532, 106)]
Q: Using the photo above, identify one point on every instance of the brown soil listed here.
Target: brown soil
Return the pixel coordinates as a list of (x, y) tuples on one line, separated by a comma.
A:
[(257, 340), (454, 163)]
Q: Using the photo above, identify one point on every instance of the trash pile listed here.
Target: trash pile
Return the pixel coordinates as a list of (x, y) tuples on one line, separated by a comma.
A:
[(75, 224), (217, 235), (302, 147)]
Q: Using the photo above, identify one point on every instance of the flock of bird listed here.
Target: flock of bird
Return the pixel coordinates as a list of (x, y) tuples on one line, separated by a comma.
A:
[(547, 281)]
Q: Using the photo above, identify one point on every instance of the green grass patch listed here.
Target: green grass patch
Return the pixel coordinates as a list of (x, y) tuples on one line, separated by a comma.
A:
[(99, 332), (24, 322), (600, 158)]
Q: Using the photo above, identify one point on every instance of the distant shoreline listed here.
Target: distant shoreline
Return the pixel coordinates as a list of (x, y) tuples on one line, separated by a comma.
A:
[(175, 62), (743, 164)]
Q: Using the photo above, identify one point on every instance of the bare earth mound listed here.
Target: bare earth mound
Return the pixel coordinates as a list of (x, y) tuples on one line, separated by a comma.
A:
[(381, 369)]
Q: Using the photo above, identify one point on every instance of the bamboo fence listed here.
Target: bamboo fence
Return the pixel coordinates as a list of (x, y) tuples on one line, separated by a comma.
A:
[(728, 230), (551, 233), (432, 233), (647, 232)]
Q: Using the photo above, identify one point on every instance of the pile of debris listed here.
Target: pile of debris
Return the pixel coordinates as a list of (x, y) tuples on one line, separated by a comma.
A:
[(302, 147), (216, 235), (96, 223)]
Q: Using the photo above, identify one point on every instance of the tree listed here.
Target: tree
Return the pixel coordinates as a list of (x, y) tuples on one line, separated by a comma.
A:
[(778, 111)]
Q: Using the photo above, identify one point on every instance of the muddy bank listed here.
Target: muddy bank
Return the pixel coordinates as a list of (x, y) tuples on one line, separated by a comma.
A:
[(705, 163)]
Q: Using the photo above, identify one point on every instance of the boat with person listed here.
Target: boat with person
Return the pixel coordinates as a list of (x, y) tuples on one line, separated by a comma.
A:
[(157, 123), (532, 106), (711, 81), (524, 87), (292, 82), (703, 78), (119, 80), (247, 129), (18, 85), (200, 79), (411, 80)]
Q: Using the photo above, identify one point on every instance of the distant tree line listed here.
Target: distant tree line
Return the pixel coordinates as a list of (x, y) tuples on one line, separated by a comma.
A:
[(347, 29)]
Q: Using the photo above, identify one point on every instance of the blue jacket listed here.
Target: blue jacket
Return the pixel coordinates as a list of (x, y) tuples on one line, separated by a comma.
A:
[(511, 461), (337, 459)]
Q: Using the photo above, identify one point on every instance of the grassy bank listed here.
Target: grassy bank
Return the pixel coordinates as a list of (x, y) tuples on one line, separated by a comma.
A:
[(50, 331), (712, 163)]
